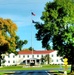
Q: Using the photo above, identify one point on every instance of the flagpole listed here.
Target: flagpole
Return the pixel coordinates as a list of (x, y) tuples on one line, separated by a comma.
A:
[(31, 35), (31, 40), (32, 14)]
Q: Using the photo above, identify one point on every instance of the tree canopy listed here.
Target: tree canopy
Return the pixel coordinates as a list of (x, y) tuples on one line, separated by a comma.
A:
[(20, 43), (31, 48), (7, 35), (58, 27)]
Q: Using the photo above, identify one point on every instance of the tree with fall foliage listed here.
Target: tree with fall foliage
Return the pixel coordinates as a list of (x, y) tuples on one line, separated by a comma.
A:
[(7, 36)]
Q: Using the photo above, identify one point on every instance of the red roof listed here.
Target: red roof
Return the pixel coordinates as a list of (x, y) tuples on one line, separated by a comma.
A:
[(35, 52)]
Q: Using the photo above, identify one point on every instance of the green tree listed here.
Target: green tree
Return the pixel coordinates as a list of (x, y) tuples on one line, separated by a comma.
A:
[(20, 43), (58, 28), (42, 59), (7, 36), (30, 48), (47, 58)]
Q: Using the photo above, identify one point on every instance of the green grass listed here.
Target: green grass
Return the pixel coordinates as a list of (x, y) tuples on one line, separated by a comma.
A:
[(44, 67), (1, 73)]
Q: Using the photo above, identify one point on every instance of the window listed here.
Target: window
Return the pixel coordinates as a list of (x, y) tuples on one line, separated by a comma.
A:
[(32, 55), (13, 61), (19, 56), (37, 55), (37, 61), (13, 56), (52, 55), (27, 55), (23, 56), (41, 56), (57, 60), (8, 61)]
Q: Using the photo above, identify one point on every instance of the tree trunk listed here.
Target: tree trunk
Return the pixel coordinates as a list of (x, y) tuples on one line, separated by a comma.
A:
[(0, 59), (48, 58), (72, 68), (72, 65)]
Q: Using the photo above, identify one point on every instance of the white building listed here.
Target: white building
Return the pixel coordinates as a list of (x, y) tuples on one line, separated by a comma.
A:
[(26, 57)]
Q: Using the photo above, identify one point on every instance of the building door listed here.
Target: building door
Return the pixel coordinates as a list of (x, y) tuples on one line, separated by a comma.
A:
[(32, 63)]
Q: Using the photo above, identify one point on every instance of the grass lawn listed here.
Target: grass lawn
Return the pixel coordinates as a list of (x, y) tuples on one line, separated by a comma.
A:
[(1, 73), (22, 67), (41, 67)]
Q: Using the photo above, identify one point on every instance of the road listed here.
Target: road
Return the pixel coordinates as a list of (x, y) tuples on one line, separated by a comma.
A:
[(32, 72)]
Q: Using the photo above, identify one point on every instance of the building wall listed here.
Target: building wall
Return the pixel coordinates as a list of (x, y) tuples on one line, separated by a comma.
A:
[(13, 59), (55, 59), (10, 59)]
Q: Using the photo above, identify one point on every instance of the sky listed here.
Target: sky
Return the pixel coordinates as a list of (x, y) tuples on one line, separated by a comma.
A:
[(19, 11)]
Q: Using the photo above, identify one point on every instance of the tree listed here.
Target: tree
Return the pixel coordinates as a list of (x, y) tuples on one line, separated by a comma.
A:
[(7, 36), (47, 58), (58, 28), (20, 43), (30, 48), (42, 59)]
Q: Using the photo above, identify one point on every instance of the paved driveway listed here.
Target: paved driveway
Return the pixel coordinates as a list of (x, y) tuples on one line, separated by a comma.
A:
[(37, 72)]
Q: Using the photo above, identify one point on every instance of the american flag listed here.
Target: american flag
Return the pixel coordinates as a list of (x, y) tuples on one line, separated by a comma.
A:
[(32, 13)]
